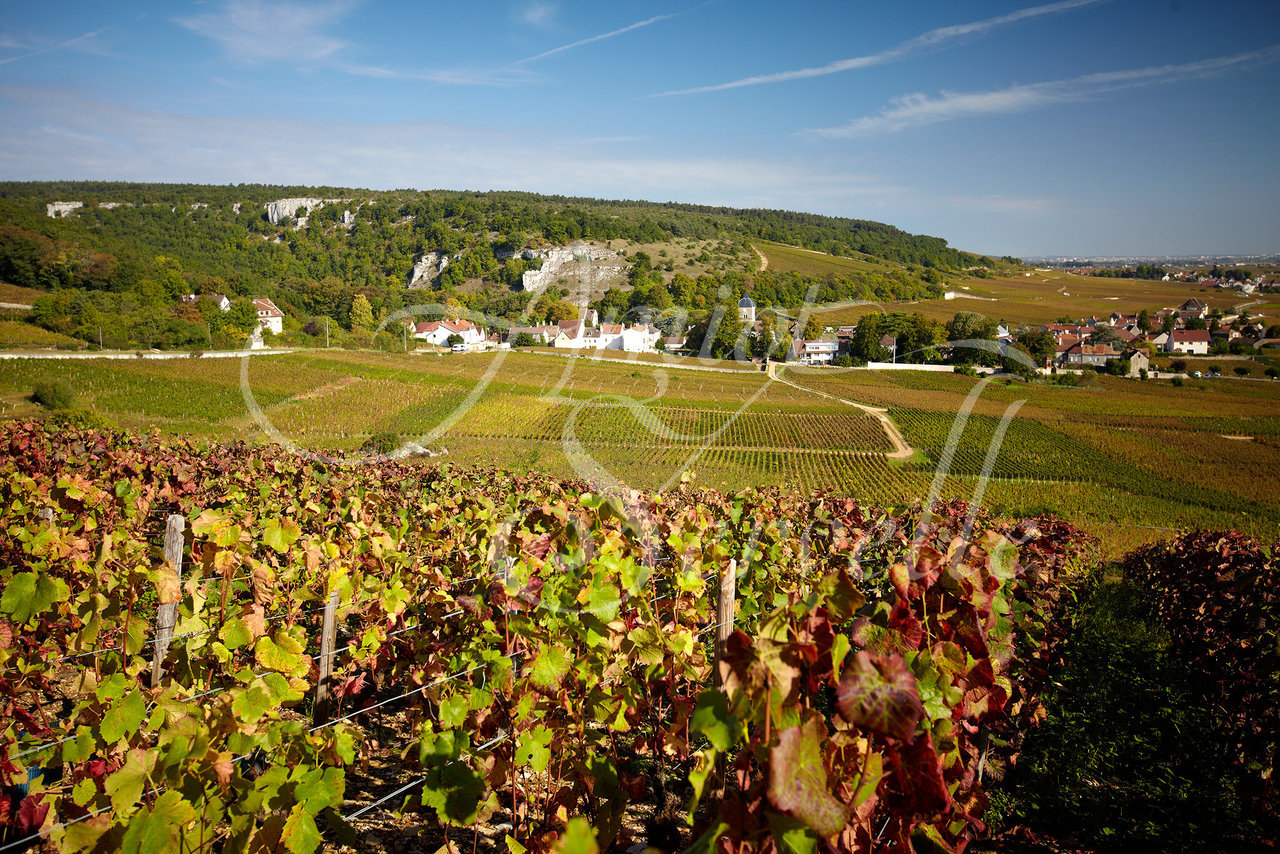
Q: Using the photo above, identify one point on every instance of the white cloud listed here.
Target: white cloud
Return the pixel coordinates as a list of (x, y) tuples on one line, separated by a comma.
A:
[(538, 14), (926, 41), (256, 31), (916, 110)]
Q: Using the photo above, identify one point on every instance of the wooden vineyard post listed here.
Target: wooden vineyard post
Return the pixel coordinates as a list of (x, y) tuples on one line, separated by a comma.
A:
[(726, 605), (328, 632), (167, 613)]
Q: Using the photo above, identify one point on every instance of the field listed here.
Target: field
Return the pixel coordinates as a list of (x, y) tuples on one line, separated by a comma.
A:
[(790, 259), (1046, 295), (1128, 461)]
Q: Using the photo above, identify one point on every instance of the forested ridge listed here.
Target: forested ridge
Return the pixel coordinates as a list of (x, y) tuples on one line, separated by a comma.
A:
[(132, 248)]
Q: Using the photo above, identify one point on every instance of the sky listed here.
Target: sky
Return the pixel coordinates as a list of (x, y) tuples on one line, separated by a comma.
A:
[(1079, 127)]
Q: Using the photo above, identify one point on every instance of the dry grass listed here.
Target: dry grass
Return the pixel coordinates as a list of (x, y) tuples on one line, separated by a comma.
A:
[(807, 262)]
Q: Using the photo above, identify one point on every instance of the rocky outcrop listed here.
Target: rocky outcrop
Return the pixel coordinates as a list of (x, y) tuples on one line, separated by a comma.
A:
[(427, 268), (281, 208), (577, 259), (57, 209), (348, 218)]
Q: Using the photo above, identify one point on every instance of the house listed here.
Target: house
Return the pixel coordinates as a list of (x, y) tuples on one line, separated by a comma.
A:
[(747, 310), (1139, 361), (1195, 307), (1192, 341), (1063, 331), (1096, 355), (1062, 347), (638, 338), (541, 334), (813, 352), (223, 304), (269, 317), (673, 343), (438, 332)]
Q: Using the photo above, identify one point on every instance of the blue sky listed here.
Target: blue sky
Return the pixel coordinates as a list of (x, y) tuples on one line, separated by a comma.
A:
[(1089, 127)]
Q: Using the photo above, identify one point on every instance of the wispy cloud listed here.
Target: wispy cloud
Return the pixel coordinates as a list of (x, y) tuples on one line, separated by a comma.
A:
[(611, 34), (257, 31), (916, 110), (926, 41), (81, 41), (537, 14)]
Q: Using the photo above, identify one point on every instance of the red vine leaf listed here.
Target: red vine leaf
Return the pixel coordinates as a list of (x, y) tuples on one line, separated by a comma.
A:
[(879, 693), (798, 778)]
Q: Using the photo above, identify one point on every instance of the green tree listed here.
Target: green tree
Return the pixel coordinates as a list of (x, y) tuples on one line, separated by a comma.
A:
[(523, 339), (361, 314), (1144, 321), (1039, 344)]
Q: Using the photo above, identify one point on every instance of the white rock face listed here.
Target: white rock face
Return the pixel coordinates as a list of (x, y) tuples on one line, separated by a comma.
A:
[(427, 268), (348, 218), (576, 259), (113, 205), (56, 209), (281, 208)]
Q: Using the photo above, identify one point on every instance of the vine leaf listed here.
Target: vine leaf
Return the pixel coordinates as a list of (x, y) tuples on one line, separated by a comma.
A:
[(550, 666), (578, 838), (123, 718), (798, 778), (879, 693), (280, 533), (31, 593), (712, 718)]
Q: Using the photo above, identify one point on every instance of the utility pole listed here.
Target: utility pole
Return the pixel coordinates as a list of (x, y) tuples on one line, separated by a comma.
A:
[(326, 332), (99, 336)]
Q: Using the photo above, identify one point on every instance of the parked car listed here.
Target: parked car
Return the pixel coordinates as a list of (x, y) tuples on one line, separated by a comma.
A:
[(459, 348)]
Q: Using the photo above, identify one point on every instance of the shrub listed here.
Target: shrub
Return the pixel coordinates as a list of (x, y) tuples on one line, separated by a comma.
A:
[(1177, 381), (381, 443), (1241, 370), (1142, 373), (79, 419), (54, 394), (843, 361), (1179, 365)]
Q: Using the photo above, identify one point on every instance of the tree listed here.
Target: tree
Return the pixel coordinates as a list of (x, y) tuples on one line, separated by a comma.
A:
[(1179, 365), (970, 326), (523, 339), (1197, 323), (812, 329), (1241, 370), (454, 340), (1105, 335), (1039, 344), (1168, 323), (1144, 321), (561, 310), (361, 314)]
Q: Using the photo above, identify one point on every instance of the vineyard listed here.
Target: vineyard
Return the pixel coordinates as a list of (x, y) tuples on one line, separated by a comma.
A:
[(1115, 456), (203, 648)]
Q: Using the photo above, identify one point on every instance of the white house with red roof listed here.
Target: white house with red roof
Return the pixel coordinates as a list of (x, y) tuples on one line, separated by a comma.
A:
[(438, 331), (269, 317), (1192, 341)]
